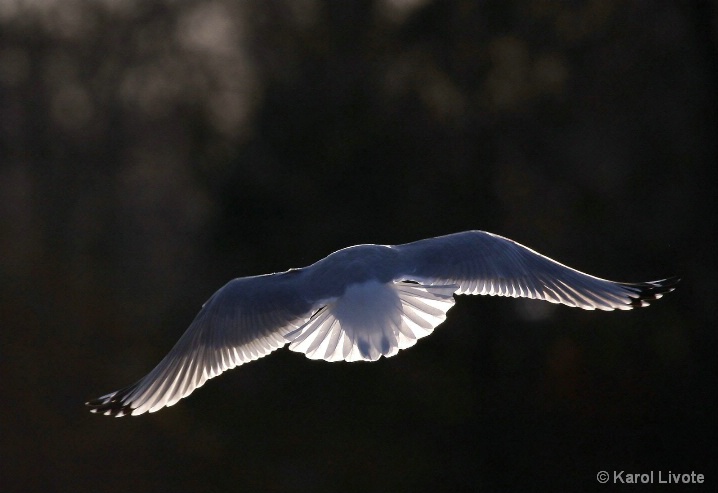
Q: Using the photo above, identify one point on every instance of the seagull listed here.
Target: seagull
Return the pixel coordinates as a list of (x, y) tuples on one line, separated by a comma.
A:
[(361, 303)]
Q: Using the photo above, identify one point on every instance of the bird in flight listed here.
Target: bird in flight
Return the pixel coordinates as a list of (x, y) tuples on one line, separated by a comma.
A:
[(361, 303)]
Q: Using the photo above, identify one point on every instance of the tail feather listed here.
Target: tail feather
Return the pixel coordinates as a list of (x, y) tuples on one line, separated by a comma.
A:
[(372, 320)]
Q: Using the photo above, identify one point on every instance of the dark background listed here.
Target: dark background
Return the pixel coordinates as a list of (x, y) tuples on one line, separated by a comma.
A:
[(152, 150)]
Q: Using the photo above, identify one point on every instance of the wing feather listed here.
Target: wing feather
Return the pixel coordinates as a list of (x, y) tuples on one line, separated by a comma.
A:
[(484, 263), (243, 321)]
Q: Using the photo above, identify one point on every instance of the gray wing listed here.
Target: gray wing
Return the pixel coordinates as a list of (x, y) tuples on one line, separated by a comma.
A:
[(484, 263), (244, 320)]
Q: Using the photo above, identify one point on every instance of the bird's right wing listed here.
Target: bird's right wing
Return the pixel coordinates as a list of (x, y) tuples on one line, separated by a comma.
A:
[(483, 263), (244, 320)]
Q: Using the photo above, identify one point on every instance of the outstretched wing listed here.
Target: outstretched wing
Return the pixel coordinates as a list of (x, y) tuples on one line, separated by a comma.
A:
[(244, 320), (483, 263)]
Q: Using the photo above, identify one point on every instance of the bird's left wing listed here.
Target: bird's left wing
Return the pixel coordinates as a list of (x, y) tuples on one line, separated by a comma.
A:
[(243, 321), (484, 263)]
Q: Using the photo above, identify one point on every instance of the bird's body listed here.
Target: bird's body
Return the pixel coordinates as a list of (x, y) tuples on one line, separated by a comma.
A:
[(361, 303)]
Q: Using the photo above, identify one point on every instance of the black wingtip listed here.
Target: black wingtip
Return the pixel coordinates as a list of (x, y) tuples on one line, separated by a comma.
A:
[(646, 292), (114, 404), (666, 285)]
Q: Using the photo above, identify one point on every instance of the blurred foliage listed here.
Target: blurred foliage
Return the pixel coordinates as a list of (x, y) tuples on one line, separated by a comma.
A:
[(152, 150)]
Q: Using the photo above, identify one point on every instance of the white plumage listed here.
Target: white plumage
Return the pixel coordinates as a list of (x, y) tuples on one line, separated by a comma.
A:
[(361, 303)]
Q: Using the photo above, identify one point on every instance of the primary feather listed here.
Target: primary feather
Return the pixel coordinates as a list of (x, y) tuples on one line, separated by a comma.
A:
[(361, 303)]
